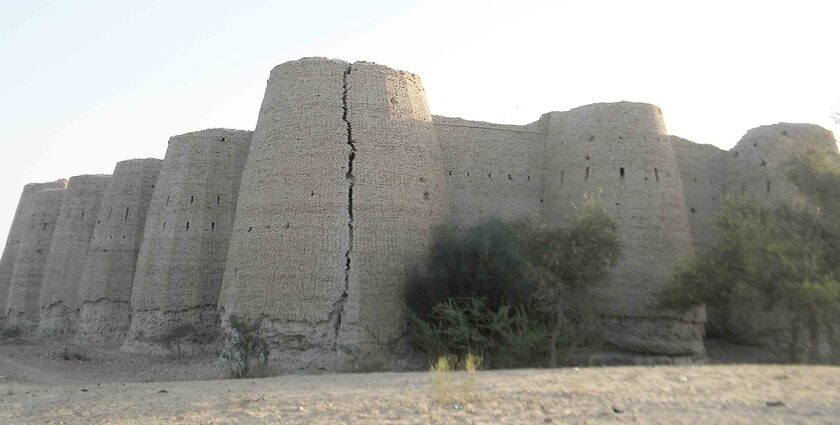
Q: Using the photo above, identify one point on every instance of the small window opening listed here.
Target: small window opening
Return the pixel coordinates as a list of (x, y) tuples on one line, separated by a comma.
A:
[(489, 175), (656, 173), (250, 228), (212, 226), (586, 177), (45, 226), (693, 210), (192, 198), (311, 193), (426, 195), (218, 199), (510, 177), (621, 172), (188, 225), (736, 154), (83, 213), (587, 157), (126, 214), (167, 200), (468, 173), (541, 200), (450, 173), (529, 178), (164, 225), (561, 176), (763, 163), (768, 186)]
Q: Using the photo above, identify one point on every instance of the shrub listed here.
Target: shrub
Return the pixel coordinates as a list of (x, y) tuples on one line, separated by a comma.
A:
[(12, 332), (485, 261), (461, 328), (246, 351), (778, 256), (175, 336), (74, 354), (512, 292)]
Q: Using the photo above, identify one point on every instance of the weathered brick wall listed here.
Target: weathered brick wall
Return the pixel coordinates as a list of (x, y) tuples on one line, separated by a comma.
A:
[(321, 261), (398, 196), (15, 237), (287, 258), (185, 244), (59, 299), (31, 258), (492, 170), (108, 273), (620, 154)]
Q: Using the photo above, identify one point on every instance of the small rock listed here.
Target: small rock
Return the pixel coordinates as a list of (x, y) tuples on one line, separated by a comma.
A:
[(775, 403), (84, 390), (617, 410), (162, 392)]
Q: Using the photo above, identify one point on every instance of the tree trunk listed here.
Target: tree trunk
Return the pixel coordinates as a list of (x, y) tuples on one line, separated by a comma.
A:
[(833, 343), (814, 333), (555, 334), (794, 340)]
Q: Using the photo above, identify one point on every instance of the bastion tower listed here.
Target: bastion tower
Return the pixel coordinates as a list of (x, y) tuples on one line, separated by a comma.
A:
[(620, 154), (16, 234), (59, 298), (22, 308), (108, 273), (343, 184), (185, 244)]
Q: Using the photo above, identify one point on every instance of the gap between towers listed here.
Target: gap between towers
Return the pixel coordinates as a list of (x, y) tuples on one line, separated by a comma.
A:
[(351, 156)]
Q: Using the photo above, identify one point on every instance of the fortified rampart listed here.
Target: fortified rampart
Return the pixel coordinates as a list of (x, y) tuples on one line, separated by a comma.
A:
[(619, 153), (108, 273), (16, 234), (321, 261), (24, 290), (185, 244), (758, 167), (59, 298), (346, 175), (492, 170)]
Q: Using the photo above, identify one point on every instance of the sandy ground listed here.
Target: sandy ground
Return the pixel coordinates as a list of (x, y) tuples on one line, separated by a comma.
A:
[(39, 386)]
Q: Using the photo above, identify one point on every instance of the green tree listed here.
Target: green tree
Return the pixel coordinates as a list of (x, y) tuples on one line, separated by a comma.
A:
[(781, 255), (506, 291), (566, 262)]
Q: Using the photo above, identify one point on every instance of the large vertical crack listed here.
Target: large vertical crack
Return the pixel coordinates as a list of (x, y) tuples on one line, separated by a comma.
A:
[(351, 156)]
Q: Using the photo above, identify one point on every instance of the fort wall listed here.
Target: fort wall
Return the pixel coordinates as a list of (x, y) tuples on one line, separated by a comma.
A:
[(703, 174), (107, 276), (353, 148), (492, 170), (59, 298), (288, 251), (620, 154), (15, 237), (397, 195), (313, 226), (32, 255), (185, 244), (757, 167)]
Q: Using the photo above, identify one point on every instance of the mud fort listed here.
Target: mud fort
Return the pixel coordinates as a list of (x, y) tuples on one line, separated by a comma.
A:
[(311, 222)]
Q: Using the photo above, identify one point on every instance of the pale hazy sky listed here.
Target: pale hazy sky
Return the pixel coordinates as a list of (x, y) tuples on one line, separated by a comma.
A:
[(87, 83)]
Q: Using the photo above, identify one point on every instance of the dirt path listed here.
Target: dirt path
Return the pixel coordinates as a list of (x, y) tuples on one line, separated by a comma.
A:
[(650, 395)]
